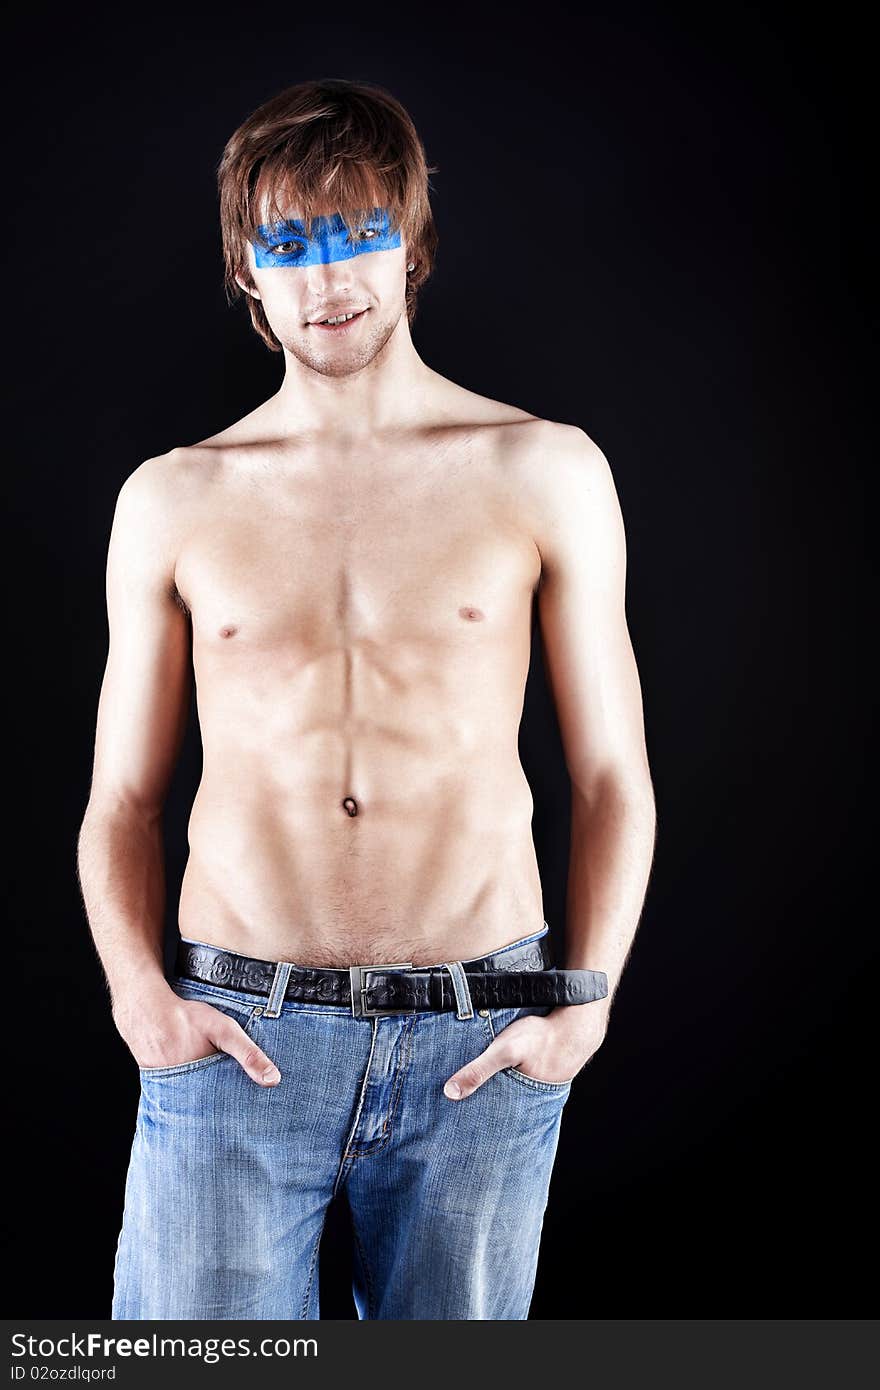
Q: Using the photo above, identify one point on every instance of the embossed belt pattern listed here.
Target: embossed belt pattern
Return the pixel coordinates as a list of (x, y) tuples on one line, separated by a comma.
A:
[(496, 981)]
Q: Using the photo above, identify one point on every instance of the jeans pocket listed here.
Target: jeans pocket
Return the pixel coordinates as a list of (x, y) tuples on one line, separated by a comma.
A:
[(244, 1014), (499, 1019)]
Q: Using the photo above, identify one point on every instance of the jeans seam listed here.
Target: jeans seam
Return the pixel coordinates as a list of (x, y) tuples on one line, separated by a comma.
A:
[(387, 1127), (229, 997), (535, 1082), (312, 1266), (198, 1064)]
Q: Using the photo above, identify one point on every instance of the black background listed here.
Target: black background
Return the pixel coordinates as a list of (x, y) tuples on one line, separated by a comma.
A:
[(702, 322)]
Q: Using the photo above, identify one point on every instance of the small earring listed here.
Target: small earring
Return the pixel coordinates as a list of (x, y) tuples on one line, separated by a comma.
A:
[(411, 266)]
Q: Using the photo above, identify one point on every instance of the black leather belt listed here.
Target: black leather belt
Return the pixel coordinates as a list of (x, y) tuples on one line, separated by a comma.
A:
[(524, 975)]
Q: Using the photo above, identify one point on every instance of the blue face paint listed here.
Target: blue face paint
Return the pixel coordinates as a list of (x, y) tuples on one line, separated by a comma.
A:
[(288, 244)]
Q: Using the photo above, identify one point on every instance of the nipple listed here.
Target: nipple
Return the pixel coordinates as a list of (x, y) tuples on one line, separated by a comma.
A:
[(350, 805)]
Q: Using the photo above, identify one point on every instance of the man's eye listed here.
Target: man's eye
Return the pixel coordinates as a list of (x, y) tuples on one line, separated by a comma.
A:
[(287, 248), (367, 233)]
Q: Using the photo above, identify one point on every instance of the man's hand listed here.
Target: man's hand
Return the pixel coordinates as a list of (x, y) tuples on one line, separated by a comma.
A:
[(552, 1047), (167, 1031)]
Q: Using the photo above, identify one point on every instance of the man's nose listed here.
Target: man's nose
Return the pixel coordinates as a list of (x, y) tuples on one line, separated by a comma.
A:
[(329, 274)]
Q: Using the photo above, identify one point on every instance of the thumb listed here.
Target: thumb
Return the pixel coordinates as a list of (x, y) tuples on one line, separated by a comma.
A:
[(468, 1079), (230, 1037)]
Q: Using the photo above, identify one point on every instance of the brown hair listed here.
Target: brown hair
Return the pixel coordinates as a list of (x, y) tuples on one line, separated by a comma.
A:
[(347, 144)]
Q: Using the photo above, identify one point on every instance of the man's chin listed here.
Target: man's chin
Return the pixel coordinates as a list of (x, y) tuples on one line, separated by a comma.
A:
[(348, 364), (342, 359)]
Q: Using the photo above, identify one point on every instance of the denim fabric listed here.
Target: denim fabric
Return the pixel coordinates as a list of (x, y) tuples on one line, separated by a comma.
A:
[(229, 1182)]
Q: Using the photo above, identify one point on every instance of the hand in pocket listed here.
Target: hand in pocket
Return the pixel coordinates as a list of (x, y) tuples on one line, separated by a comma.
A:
[(178, 1031)]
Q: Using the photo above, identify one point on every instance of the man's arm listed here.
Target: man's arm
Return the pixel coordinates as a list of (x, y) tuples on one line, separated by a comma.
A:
[(569, 495), (142, 713), (593, 676)]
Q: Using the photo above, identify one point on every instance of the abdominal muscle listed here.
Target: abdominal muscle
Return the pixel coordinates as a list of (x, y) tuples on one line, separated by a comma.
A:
[(401, 835)]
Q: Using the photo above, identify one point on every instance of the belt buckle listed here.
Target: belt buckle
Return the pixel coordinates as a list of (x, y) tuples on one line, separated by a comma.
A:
[(358, 1008)]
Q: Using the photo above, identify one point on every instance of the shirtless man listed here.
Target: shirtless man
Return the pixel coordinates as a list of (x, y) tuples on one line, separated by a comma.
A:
[(349, 572)]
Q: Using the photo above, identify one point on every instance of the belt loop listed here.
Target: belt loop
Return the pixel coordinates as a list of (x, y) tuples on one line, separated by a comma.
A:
[(464, 1003), (279, 989)]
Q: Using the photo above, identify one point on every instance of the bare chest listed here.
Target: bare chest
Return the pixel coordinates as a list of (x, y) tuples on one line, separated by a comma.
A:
[(274, 564)]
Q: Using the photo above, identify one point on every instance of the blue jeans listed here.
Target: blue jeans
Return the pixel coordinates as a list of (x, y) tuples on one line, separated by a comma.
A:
[(229, 1182)]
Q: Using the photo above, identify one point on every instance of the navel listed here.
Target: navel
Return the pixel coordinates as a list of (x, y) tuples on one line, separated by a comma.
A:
[(350, 805), (473, 615)]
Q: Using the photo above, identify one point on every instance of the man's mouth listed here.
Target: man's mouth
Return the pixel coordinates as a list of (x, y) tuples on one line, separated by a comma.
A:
[(338, 323)]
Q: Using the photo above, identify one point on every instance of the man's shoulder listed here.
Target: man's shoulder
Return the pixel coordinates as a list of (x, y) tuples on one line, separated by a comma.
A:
[(165, 480), (522, 434), (549, 454), (561, 482)]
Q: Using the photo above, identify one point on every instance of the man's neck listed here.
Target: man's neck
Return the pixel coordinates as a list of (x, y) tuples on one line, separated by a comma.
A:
[(383, 396)]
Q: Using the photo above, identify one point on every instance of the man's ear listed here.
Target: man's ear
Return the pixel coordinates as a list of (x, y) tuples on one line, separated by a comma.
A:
[(248, 289)]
